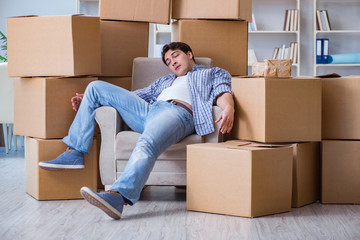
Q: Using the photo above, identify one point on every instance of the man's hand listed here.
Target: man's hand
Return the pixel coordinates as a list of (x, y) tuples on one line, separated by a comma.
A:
[(227, 117), (76, 100), (226, 102)]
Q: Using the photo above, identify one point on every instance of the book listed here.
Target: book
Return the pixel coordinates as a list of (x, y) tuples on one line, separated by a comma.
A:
[(286, 53), (275, 53), (325, 51), (251, 57), (296, 21), (253, 23), (323, 20), (250, 26), (285, 19), (292, 15), (295, 53), (282, 56), (318, 19), (327, 22), (291, 56), (318, 50), (279, 53), (287, 26)]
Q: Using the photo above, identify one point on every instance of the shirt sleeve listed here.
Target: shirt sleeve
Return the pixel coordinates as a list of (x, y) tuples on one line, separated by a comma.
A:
[(151, 92), (221, 80), (146, 93)]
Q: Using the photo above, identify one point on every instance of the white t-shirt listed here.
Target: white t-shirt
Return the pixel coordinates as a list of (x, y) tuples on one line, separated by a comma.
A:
[(178, 90)]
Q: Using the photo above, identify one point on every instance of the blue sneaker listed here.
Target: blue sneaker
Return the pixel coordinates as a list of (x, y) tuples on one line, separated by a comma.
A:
[(111, 202), (70, 159)]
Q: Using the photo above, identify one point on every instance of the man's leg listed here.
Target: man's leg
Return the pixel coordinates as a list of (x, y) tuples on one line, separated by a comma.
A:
[(166, 124), (132, 109)]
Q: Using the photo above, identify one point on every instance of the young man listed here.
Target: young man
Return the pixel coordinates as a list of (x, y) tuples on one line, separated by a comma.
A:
[(171, 108)]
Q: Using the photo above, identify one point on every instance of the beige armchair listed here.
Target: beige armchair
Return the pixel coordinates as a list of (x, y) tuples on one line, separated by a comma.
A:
[(118, 141)]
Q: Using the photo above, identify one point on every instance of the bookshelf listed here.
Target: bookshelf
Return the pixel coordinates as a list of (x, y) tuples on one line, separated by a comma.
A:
[(78, 4), (343, 35), (269, 17), (161, 35)]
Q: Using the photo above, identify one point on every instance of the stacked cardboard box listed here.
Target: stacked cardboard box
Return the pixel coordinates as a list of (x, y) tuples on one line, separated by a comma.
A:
[(52, 68), (57, 57), (230, 178), (215, 29), (285, 111), (341, 140), (124, 27), (234, 178)]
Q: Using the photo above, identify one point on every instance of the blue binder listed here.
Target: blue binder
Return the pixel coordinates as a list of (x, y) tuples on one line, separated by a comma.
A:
[(325, 52), (319, 50)]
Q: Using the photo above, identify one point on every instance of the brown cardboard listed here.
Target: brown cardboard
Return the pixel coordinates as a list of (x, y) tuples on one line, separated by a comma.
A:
[(306, 171), (121, 42), (53, 46), (43, 107), (51, 185), (277, 110), (212, 9), (225, 42), (258, 69), (124, 82), (155, 11), (340, 111), (340, 172), (277, 68), (238, 180)]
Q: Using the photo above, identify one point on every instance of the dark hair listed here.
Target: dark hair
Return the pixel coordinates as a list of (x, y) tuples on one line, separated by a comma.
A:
[(174, 46)]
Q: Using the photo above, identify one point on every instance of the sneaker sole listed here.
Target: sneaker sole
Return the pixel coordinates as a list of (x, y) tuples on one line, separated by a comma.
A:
[(58, 167), (99, 202)]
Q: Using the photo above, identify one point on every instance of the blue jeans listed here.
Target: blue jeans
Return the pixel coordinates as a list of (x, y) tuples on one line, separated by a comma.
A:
[(161, 124)]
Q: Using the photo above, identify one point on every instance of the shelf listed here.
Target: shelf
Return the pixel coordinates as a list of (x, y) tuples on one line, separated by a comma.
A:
[(338, 31), (293, 65), (338, 65), (272, 32)]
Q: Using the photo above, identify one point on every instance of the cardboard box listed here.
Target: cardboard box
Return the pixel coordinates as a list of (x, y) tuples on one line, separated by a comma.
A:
[(121, 42), (43, 107), (124, 82), (212, 9), (225, 42), (306, 171), (155, 11), (277, 68), (277, 110), (51, 185), (340, 172), (239, 180), (340, 111), (258, 69), (53, 46)]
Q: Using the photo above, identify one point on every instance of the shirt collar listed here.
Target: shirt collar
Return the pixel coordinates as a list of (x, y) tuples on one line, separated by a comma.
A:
[(195, 68)]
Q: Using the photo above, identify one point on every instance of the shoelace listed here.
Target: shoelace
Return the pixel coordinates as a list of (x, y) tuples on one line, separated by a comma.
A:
[(115, 193)]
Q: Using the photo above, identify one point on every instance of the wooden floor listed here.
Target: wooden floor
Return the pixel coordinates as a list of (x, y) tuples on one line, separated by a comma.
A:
[(160, 214)]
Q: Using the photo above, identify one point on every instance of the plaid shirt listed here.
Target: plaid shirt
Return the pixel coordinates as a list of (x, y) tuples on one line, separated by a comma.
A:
[(204, 86)]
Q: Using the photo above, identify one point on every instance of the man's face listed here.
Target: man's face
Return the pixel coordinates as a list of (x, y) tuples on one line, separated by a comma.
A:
[(179, 62)]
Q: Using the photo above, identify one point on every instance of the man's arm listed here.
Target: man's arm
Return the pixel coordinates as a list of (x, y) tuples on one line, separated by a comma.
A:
[(226, 102)]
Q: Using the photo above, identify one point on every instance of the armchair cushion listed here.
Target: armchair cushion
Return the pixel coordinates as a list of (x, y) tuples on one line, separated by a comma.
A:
[(126, 141)]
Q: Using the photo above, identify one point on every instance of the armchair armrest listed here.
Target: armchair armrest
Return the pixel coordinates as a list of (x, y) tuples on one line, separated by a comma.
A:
[(216, 136), (110, 124)]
